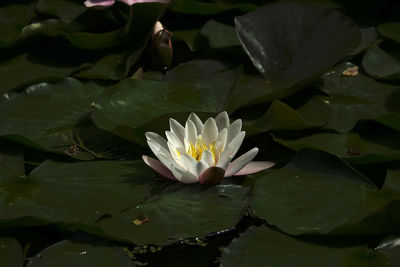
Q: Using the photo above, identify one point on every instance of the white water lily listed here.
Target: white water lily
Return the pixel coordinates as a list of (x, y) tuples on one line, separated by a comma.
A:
[(202, 152)]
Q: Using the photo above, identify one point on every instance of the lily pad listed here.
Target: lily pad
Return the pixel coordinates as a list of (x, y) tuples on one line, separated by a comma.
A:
[(220, 35), (390, 30), (62, 9), (317, 193), (369, 36), (282, 117), (379, 64), (288, 41), (261, 246), (11, 253), (355, 98), (109, 67), (71, 193), (206, 8), (51, 127), (12, 19), (186, 212), (354, 148), (70, 253), (132, 103), (24, 70)]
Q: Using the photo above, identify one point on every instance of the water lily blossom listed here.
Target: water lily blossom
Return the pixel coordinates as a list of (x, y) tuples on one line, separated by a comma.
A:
[(107, 3), (202, 152)]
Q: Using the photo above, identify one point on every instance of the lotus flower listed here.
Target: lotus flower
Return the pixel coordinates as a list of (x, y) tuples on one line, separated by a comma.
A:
[(107, 3), (202, 152)]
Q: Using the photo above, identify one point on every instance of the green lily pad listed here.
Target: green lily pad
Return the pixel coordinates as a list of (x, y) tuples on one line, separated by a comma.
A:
[(186, 212), (280, 116), (71, 193), (206, 8), (318, 193), (390, 119), (62, 9), (288, 41), (260, 246), (379, 64), (26, 119), (220, 35), (354, 148), (368, 37), (390, 30), (11, 253), (71, 253), (109, 67), (24, 70), (132, 103), (12, 19), (187, 36), (355, 98)]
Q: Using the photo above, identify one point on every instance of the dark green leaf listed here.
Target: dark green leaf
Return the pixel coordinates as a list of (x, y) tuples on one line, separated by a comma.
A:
[(69, 253), (132, 103), (219, 35), (379, 64), (282, 117), (355, 98), (77, 193), (319, 193), (12, 19), (27, 69), (390, 30), (190, 211), (10, 253), (288, 41), (44, 115), (62, 9), (355, 148), (260, 247), (204, 8)]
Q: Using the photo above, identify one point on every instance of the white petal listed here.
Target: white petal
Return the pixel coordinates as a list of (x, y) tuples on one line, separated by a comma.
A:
[(173, 151), (190, 134), (240, 162), (210, 131), (184, 176), (188, 163), (177, 144), (222, 120), (234, 130), (197, 122), (224, 162), (221, 140), (233, 147), (201, 166), (157, 138), (177, 129), (207, 158), (158, 149), (167, 161)]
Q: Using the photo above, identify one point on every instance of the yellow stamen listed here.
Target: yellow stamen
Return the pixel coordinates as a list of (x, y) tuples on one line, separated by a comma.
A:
[(196, 150)]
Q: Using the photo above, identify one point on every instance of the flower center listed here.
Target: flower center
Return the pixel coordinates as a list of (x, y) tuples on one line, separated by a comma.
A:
[(196, 150)]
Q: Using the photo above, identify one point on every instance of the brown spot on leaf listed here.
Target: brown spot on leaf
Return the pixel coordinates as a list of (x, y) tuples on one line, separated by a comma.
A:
[(140, 219), (350, 71)]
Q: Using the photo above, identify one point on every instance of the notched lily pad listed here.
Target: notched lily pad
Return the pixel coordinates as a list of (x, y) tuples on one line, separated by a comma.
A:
[(317, 193), (186, 212), (290, 42), (80, 254)]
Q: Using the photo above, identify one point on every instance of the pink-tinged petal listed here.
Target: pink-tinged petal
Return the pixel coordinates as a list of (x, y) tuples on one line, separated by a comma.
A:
[(212, 175), (158, 167), (255, 166), (240, 162), (131, 2), (99, 3)]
